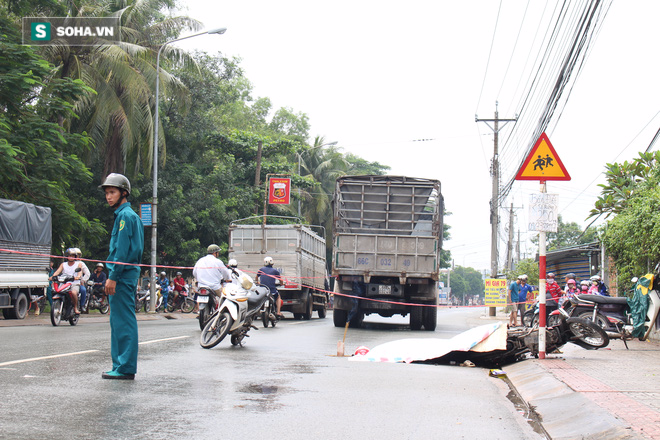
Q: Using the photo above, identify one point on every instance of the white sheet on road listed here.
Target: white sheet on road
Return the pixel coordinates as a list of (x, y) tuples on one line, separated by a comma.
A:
[(487, 337)]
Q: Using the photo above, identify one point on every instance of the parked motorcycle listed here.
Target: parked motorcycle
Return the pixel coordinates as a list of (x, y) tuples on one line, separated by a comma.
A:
[(96, 298), (239, 305), (143, 299), (63, 308), (613, 314), (531, 317)]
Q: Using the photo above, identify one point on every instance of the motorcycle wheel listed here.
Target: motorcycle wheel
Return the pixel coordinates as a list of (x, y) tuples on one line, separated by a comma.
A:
[(105, 307), (588, 335), (188, 305), (553, 320), (600, 321), (528, 318), (201, 318), (55, 312), (215, 330), (73, 320), (264, 318)]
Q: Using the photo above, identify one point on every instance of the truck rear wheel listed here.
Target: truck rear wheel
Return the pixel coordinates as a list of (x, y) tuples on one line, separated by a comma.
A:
[(324, 308), (20, 309), (309, 306), (356, 322), (416, 318), (339, 317), (430, 318)]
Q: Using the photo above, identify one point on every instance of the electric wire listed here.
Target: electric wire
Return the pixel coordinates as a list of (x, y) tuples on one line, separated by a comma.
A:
[(490, 53)]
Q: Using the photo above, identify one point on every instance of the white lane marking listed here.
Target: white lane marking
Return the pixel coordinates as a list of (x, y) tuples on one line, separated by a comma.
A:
[(162, 340), (54, 356)]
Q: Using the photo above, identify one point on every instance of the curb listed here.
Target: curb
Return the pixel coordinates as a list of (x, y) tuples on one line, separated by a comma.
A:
[(562, 411)]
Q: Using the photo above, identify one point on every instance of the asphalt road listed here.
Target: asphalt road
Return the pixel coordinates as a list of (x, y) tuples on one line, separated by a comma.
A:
[(286, 382)]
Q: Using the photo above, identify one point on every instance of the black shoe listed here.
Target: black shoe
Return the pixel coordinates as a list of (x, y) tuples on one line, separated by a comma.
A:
[(118, 376)]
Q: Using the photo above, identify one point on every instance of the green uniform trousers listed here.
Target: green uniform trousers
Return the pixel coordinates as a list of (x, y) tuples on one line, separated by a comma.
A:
[(123, 327)]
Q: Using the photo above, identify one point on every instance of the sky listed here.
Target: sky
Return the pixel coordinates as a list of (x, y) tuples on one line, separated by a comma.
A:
[(402, 82)]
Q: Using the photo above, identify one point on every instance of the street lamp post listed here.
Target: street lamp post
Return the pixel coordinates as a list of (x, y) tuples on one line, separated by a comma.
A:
[(154, 205)]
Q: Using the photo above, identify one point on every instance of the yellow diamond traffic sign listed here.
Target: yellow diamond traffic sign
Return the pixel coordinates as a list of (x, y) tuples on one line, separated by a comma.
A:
[(543, 163)]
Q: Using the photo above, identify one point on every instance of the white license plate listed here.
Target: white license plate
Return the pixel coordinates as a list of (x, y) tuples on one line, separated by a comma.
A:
[(384, 290), (202, 299)]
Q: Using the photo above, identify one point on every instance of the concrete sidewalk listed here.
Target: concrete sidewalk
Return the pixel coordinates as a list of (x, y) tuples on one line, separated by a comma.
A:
[(611, 393)]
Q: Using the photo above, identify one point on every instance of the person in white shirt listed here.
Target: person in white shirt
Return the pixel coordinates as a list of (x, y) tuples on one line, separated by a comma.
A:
[(210, 271), (69, 268)]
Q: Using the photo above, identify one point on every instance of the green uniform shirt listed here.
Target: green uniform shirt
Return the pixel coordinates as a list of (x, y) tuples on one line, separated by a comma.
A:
[(126, 244)]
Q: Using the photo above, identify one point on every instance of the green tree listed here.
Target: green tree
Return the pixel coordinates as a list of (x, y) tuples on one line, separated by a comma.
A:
[(119, 117), (632, 237), (624, 181), (40, 161), (527, 266), (465, 282)]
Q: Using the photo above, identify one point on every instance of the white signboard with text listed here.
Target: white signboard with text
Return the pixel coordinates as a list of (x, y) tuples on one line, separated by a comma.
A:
[(543, 212)]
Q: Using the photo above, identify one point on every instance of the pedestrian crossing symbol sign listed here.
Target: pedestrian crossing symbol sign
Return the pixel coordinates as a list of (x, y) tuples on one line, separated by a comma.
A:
[(543, 163)]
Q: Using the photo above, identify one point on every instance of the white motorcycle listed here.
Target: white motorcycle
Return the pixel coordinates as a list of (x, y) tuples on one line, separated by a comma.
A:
[(240, 304)]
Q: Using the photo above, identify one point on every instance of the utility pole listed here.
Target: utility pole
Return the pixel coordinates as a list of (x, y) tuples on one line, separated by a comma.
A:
[(509, 248), (494, 201)]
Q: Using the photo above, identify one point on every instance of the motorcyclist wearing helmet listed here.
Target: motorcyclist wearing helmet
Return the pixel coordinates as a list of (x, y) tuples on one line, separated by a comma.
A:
[(98, 278), (164, 284), (210, 272), (269, 276), (553, 292), (569, 276), (232, 265), (126, 246), (179, 285), (69, 267), (598, 287), (84, 270), (584, 286)]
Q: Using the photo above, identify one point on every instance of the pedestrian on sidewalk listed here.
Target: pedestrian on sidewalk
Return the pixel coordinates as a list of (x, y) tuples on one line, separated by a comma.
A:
[(514, 290), (126, 246)]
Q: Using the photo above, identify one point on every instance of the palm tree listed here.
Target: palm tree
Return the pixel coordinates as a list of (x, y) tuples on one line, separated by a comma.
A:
[(119, 118), (324, 163)]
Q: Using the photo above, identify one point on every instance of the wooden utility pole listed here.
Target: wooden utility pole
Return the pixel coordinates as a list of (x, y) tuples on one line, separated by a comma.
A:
[(494, 201)]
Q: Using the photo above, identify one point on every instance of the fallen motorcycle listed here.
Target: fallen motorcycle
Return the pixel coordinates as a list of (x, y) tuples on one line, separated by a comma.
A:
[(240, 304), (522, 342)]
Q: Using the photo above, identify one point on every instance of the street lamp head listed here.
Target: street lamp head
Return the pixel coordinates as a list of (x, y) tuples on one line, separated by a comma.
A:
[(217, 31)]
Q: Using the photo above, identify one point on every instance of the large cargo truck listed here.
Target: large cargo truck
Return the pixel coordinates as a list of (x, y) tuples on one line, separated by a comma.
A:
[(387, 239), (25, 240), (299, 255)]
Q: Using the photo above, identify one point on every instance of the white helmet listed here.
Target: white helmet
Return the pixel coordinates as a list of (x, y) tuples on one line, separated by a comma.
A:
[(268, 261), (232, 263)]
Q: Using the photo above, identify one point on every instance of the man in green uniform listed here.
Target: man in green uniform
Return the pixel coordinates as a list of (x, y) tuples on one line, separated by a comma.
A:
[(126, 246)]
